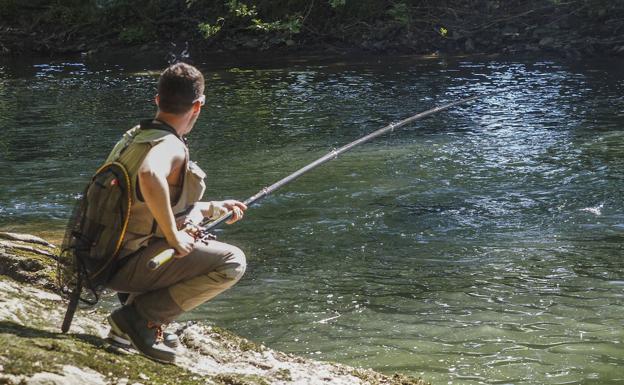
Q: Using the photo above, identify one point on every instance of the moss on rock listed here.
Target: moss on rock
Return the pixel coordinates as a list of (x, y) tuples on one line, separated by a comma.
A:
[(240, 379), (374, 378), (32, 349), (29, 263), (27, 351)]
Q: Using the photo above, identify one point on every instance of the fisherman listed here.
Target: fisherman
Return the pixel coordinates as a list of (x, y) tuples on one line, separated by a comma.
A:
[(167, 188)]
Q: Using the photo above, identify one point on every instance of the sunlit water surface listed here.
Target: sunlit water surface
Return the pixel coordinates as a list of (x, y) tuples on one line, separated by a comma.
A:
[(482, 245)]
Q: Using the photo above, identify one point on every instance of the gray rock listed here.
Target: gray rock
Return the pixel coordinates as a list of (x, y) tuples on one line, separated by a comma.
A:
[(510, 31), (206, 351), (32, 265), (542, 32), (25, 238), (546, 42), (531, 48), (27, 263), (21, 246), (469, 46), (252, 43), (71, 376)]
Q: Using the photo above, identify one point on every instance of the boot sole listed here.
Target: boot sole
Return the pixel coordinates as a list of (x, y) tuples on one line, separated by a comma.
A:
[(118, 327), (121, 349), (117, 336), (122, 340), (120, 343)]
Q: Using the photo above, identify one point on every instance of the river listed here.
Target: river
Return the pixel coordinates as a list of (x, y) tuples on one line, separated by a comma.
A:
[(483, 245)]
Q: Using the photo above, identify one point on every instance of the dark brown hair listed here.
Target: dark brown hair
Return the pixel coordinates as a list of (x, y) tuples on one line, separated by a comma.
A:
[(179, 85)]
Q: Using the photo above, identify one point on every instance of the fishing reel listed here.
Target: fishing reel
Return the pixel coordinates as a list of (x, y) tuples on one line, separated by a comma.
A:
[(200, 233)]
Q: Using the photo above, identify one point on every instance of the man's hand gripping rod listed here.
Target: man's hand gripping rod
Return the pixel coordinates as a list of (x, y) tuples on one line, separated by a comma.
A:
[(206, 225)]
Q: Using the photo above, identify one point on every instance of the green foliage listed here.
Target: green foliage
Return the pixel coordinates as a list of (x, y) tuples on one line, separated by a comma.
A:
[(337, 3), (135, 34), (240, 9), (292, 25), (259, 25), (209, 30), (104, 3), (270, 22), (8, 8), (400, 13), (237, 15)]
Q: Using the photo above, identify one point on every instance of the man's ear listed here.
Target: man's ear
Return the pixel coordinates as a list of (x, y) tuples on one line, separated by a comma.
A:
[(157, 100), (196, 107)]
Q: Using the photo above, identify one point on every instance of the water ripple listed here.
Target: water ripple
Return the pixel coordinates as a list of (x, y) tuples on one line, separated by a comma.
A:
[(480, 245)]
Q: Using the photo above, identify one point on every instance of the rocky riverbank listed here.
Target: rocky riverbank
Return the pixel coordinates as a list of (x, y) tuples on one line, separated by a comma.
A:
[(34, 352)]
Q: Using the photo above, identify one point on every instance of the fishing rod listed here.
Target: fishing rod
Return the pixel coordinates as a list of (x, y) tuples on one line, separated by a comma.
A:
[(206, 225)]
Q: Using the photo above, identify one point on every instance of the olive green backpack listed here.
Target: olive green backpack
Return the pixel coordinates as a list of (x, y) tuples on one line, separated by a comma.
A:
[(88, 255)]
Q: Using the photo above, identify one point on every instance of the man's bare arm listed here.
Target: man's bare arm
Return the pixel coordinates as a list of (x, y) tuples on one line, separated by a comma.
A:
[(159, 163)]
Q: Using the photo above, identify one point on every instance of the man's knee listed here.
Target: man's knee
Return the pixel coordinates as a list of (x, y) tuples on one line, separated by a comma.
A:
[(236, 265)]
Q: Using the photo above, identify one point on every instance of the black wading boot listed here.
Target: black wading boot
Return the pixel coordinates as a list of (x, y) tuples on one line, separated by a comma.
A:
[(145, 336), (118, 338)]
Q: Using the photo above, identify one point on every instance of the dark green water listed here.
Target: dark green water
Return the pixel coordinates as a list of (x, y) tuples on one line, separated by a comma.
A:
[(482, 245)]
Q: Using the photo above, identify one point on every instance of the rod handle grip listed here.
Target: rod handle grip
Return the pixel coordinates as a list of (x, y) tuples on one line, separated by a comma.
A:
[(161, 259)]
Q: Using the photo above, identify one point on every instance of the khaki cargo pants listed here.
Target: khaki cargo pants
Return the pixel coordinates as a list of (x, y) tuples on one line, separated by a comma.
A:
[(181, 284)]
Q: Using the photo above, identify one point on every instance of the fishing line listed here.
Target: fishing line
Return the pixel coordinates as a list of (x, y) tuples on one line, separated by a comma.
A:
[(206, 225)]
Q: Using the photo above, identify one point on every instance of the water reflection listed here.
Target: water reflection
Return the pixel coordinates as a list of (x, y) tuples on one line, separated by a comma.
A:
[(482, 245)]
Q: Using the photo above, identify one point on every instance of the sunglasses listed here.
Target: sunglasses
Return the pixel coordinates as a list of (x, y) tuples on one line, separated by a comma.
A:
[(201, 100)]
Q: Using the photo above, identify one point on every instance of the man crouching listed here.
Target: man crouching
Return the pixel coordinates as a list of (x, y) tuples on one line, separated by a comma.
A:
[(167, 188)]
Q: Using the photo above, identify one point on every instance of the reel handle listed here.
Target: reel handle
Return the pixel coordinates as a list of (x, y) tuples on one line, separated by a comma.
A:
[(166, 255), (160, 259)]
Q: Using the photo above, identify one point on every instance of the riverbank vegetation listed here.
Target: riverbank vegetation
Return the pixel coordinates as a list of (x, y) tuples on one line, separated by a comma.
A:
[(570, 28)]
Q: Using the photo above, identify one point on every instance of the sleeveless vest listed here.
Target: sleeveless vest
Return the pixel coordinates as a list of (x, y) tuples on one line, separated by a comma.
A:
[(131, 151)]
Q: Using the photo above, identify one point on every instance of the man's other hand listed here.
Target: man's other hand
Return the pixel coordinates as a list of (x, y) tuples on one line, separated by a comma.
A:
[(221, 208)]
